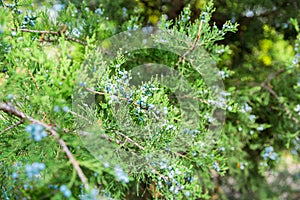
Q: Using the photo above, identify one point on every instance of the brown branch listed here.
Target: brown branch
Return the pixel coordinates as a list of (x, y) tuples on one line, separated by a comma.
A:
[(130, 140), (267, 86), (123, 98), (102, 136), (272, 76), (191, 97), (32, 77), (290, 114), (270, 90), (95, 92), (192, 47), (78, 115), (76, 40), (106, 137), (10, 109), (13, 126), (37, 31), (57, 33)]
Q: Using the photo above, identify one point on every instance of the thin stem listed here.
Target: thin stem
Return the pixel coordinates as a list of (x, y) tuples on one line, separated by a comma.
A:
[(192, 47), (32, 77), (130, 140), (12, 126), (57, 33)]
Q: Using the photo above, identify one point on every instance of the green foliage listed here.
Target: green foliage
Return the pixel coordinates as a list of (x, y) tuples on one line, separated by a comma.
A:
[(130, 148)]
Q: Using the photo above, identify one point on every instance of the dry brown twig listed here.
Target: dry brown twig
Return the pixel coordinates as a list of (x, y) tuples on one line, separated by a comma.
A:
[(56, 33)]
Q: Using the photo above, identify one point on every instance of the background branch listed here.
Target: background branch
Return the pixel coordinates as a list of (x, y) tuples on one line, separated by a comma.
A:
[(266, 85)]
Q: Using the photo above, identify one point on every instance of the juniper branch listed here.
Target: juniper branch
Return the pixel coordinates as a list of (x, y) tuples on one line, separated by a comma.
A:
[(10, 109)]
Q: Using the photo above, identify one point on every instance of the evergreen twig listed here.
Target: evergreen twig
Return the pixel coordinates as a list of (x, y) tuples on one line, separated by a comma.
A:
[(10, 109)]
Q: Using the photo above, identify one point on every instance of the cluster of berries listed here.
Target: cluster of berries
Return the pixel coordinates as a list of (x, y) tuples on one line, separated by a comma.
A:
[(29, 20), (66, 192), (120, 174), (36, 131), (33, 170)]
